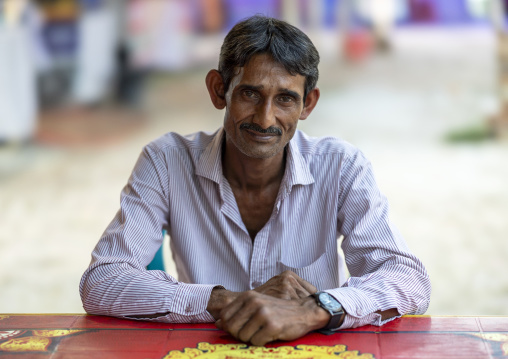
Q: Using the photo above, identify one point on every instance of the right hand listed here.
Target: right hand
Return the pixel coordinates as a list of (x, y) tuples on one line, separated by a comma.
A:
[(258, 318), (287, 285)]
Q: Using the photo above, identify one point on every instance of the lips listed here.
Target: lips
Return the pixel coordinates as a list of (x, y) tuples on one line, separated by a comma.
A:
[(260, 136)]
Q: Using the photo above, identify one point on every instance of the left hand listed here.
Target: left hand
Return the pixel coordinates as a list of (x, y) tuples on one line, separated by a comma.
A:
[(259, 319), (287, 285)]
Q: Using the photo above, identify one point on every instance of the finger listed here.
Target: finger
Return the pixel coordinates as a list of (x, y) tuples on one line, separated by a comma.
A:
[(308, 287), (290, 283), (268, 332), (299, 283), (235, 318), (283, 290), (279, 328), (229, 310), (290, 290), (260, 338), (227, 313), (261, 321), (294, 289), (302, 293), (251, 327)]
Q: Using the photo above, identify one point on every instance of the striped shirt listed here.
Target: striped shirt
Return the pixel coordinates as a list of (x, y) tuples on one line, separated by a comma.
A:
[(328, 192)]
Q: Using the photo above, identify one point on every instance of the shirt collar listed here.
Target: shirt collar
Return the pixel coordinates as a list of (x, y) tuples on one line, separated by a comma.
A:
[(297, 168), (210, 163)]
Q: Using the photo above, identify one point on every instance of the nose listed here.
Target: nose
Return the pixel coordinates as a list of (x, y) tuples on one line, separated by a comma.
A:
[(265, 115)]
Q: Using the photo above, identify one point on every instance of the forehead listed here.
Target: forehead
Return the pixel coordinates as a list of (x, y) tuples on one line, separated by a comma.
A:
[(262, 70)]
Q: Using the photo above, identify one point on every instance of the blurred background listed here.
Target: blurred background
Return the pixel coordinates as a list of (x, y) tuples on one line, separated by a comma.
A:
[(419, 85)]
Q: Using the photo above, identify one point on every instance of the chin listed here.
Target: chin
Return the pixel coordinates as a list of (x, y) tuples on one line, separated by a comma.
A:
[(260, 154)]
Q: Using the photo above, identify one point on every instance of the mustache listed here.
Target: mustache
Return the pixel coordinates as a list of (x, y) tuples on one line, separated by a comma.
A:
[(257, 128)]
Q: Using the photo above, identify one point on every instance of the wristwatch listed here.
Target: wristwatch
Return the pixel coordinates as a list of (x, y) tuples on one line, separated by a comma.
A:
[(332, 306)]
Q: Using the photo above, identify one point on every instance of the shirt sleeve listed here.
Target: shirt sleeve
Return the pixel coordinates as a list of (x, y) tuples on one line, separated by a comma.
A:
[(117, 283), (384, 273)]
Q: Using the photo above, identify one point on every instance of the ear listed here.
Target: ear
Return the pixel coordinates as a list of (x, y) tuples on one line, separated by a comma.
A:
[(215, 88), (310, 102)]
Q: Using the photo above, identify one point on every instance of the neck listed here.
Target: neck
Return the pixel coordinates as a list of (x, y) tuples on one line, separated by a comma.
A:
[(248, 173)]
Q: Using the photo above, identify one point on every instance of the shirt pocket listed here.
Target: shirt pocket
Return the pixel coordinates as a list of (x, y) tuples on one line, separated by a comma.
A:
[(320, 273)]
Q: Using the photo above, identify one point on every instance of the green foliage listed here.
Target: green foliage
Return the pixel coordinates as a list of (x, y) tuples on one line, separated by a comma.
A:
[(474, 133)]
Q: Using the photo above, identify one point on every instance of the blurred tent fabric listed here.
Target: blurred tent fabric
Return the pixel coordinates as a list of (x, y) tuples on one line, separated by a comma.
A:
[(160, 34)]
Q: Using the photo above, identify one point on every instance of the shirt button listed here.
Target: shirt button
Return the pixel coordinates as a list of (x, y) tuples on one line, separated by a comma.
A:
[(256, 284), (188, 309)]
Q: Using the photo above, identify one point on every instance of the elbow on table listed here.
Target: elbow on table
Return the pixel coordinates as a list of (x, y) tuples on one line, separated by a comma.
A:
[(422, 296), (93, 309), (92, 303)]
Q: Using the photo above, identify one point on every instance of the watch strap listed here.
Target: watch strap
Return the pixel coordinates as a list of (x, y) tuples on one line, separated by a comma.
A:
[(335, 321), (336, 316)]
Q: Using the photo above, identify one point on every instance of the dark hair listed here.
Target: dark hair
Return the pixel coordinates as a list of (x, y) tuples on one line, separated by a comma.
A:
[(258, 34)]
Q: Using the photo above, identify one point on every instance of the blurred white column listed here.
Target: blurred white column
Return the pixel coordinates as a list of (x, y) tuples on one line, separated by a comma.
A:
[(97, 44), (18, 105)]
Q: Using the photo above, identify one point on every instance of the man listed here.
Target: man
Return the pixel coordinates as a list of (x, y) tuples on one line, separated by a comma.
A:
[(254, 212)]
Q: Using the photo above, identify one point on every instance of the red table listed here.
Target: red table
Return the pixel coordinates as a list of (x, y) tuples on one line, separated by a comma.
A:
[(87, 336)]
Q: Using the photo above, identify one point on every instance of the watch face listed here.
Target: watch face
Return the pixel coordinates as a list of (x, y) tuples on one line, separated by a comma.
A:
[(329, 302)]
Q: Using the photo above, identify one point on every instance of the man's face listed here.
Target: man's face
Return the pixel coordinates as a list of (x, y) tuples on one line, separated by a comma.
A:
[(263, 105)]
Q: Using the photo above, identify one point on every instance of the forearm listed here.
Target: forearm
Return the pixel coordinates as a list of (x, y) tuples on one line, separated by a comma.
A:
[(383, 295), (120, 290), (388, 314), (385, 276)]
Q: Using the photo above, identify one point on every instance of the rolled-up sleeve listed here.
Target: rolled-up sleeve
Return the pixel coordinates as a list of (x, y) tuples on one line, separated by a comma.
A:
[(117, 283), (384, 273)]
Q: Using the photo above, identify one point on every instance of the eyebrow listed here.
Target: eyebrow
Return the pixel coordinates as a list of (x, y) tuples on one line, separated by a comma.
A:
[(284, 91)]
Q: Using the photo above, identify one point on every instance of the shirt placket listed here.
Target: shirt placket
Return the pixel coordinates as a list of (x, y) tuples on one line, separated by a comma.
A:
[(260, 252), (258, 258)]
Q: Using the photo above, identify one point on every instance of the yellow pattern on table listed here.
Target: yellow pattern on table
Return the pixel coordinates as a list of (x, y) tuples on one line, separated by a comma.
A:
[(495, 337), (55, 333), (25, 344), (39, 341), (243, 351)]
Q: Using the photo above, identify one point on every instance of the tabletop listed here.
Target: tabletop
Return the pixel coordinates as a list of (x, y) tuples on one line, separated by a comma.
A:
[(88, 336)]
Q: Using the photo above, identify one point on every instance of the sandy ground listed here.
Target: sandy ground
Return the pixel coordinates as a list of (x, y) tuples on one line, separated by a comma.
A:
[(449, 201)]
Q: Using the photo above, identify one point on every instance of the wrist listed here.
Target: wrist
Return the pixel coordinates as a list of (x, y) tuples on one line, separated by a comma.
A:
[(333, 307), (219, 298), (317, 317)]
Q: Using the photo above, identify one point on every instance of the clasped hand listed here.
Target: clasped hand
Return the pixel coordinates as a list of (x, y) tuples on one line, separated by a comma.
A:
[(280, 309)]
